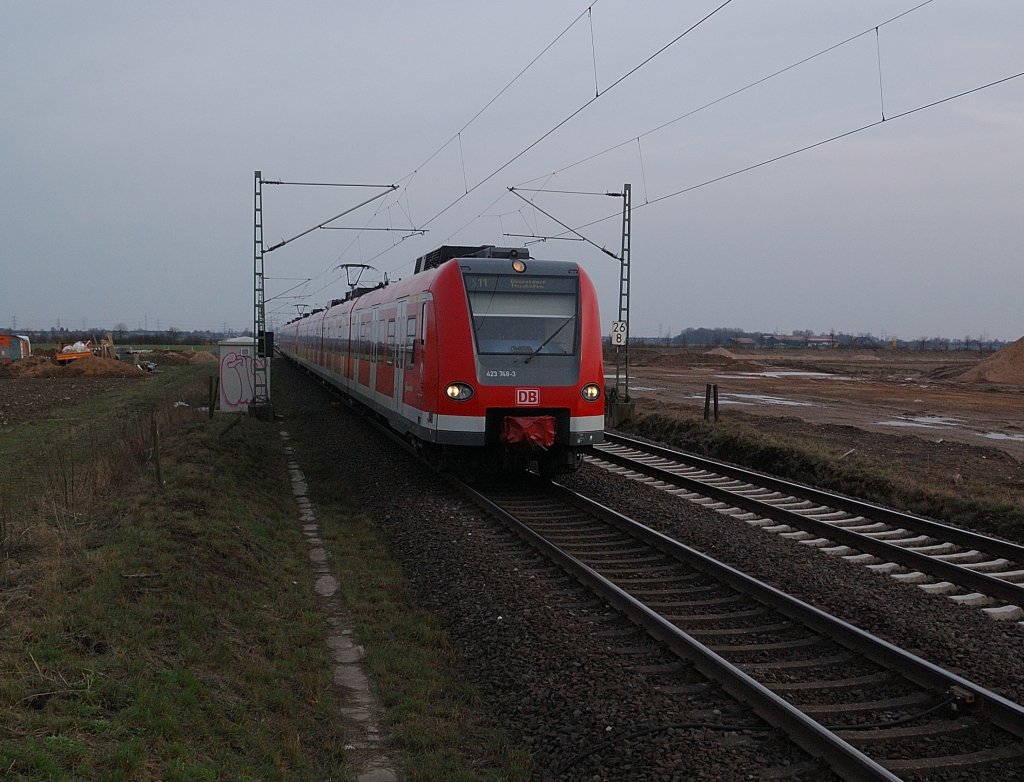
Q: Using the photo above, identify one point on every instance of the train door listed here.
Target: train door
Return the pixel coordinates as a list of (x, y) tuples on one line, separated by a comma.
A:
[(398, 343), (329, 344), (319, 357), (412, 360), (383, 380), (387, 369), (365, 348), (347, 346), (336, 345), (427, 367), (416, 333), (375, 348)]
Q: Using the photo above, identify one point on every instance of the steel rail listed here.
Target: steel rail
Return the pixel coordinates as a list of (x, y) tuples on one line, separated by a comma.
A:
[(1000, 710), (1013, 551), (981, 582), (845, 760)]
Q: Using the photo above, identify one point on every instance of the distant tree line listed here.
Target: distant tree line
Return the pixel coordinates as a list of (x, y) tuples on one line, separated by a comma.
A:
[(735, 337), (122, 335), (690, 337)]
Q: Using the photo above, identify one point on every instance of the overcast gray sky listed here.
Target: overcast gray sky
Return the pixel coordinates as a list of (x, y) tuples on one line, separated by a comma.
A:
[(131, 132)]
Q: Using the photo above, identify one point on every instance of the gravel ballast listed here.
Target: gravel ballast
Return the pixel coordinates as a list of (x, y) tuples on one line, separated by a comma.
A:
[(588, 697)]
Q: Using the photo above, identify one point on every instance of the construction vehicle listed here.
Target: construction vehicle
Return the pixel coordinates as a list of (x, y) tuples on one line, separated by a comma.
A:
[(72, 352)]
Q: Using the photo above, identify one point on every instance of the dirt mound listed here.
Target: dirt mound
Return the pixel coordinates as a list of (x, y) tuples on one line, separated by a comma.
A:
[(94, 366), (178, 357), (647, 356), (91, 366), (657, 359), (1006, 367), (33, 366), (721, 352), (951, 372)]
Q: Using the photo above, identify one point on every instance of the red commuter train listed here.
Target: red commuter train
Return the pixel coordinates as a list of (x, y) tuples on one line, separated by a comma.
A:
[(488, 360)]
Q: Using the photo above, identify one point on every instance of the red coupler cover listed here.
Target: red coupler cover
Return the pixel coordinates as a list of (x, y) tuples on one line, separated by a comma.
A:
[(529, 430)]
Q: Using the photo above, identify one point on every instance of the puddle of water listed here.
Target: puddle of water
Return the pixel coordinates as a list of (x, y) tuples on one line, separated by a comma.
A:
[(922, 422), (785, 373), (611, 378), (772, 400), (944, 422), (723, 399), (754, 399)]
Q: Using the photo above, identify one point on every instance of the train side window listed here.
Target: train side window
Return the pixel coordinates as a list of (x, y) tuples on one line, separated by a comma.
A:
[(410, 343), (389, 354)]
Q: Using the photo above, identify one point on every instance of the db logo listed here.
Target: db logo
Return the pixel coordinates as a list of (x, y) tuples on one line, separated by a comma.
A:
[(527, 396)]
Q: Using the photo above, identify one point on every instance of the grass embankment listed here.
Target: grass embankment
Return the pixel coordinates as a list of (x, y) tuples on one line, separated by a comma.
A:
[(171, 632), (861, 476), (156, 632)]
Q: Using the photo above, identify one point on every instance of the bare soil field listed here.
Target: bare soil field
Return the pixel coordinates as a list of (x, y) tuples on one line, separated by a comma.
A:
[(36, 385), (933, 413)]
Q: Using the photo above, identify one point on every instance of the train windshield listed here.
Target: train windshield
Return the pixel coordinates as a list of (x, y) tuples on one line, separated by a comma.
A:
[(524, 315)]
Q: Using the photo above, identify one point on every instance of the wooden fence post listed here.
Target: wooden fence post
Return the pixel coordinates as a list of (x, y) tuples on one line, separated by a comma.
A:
[(214, 393), (156, 452)]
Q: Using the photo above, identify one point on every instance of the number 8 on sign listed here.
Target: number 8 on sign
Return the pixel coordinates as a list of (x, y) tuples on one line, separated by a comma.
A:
[(618, 332)]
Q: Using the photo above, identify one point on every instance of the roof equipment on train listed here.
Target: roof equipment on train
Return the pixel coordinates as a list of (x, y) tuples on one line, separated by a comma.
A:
[(446, 252)]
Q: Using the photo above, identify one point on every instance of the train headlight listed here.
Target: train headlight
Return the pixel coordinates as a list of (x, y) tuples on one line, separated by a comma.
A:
[(458, 392), (518, 266), (591, 392)]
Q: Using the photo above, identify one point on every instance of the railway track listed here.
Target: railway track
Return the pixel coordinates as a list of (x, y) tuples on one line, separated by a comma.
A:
[(867, 709), (969, 568)]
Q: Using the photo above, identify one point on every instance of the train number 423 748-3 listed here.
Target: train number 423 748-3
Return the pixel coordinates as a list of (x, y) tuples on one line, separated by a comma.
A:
[(501, 373)]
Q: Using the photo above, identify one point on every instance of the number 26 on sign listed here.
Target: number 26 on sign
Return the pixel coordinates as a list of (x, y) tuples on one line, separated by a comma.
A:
[(618, 332)]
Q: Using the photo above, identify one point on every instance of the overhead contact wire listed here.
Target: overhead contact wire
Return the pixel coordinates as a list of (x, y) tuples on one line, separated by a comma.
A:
[(408, 178), (807, 148), (817, 144), (504, 89), (881, 92), (643, 172), (462, 155), (587, 103), (593, 52), (736, 92)]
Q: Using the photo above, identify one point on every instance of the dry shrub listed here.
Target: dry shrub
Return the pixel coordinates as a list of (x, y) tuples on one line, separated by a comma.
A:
[(95, 460), (51, 532), (5, 523), (67, 487)]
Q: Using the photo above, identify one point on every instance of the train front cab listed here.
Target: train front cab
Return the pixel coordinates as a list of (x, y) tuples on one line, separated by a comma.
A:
[(532, 334)]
